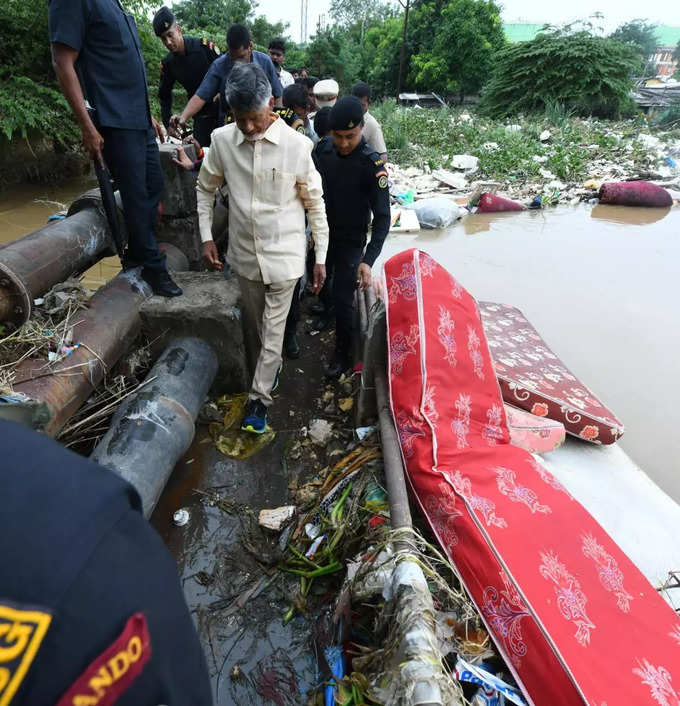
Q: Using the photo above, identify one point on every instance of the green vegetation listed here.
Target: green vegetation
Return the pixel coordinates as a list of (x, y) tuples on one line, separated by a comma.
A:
[(585, 73), (429, 138), (639, 34), (453, 47)]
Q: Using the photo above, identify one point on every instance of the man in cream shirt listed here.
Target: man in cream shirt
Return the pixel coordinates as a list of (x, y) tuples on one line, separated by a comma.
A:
[(268, 172)]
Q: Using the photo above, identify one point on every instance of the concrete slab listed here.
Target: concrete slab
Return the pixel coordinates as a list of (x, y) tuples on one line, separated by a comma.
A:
[(209, 309)]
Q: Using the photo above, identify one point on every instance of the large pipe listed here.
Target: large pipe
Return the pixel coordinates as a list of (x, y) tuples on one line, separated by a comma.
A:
[(400, 513), (33, 264), (153, 428), (105, 331)]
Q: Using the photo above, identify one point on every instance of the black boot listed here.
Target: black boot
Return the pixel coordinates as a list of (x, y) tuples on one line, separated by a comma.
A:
[(291, 347), (161, 283)]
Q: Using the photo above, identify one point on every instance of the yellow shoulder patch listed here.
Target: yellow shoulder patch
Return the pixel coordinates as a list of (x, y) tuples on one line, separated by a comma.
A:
[(21, 633), (204, 41), (378, 162)]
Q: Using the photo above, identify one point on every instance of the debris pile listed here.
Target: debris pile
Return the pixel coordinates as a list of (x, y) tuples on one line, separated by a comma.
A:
[(453, 154)]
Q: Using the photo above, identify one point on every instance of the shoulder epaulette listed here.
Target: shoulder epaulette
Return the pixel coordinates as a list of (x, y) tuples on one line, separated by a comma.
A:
[(371, 154)]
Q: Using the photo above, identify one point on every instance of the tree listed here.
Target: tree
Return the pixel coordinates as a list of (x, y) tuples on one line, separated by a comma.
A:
[(456, 41), (584, 73), (360, 13), (383, 45), (200, 14), (639, 34)]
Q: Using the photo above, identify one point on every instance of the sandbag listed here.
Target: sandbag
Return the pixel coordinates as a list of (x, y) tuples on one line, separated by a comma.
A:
[(490, 203), (635, 193), (437, 212)]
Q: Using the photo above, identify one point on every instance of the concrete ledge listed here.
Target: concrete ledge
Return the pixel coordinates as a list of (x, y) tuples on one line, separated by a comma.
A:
[(209, 309)]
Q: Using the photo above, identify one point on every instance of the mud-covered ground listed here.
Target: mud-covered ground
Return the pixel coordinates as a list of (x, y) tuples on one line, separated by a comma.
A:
[(227, 563)]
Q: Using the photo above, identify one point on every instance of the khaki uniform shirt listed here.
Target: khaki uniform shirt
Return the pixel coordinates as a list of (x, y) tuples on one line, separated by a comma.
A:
[(373, 134), (270, 183)]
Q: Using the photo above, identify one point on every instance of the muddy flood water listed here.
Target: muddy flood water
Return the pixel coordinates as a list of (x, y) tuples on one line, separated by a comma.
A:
[(600, 283)]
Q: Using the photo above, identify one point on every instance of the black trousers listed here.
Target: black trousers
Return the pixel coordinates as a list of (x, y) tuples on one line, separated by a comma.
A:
[(203, 127), (342, 263), (135, 164)]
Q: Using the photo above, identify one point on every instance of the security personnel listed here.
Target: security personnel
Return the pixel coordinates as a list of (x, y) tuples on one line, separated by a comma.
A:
[(97, 41), (187, 62), (91, 607), (354, 185)]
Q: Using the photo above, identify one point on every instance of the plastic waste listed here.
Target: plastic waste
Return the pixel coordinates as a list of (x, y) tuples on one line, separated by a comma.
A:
[(438, 212), (405, 198), (181, 517), (476, 674), (490, 203), (467, 162), (635, 193), (536, 203)]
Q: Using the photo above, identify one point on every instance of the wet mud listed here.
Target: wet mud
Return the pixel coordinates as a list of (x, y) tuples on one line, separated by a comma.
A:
[(227, 563)]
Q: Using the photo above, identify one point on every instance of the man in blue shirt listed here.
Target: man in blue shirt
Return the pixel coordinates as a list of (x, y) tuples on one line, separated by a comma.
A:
[(97, 56), (240, 51)]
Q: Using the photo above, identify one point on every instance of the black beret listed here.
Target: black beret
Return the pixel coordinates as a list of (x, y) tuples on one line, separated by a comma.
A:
[(163, 20), (346, 113)]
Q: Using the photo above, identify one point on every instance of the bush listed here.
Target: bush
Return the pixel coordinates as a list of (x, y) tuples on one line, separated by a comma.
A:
[(586, 74), (27, 106)]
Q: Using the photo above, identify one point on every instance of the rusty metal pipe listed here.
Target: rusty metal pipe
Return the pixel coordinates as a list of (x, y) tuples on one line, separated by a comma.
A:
[(105, 331), (33, 264), (153, 428)]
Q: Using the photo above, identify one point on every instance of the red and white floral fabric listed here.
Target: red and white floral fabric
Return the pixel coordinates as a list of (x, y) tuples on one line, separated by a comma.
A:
[(532, 377), (573, 617), (538, 435)]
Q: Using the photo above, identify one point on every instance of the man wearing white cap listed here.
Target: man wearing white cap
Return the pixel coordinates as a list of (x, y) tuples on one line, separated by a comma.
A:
[(326, 93)]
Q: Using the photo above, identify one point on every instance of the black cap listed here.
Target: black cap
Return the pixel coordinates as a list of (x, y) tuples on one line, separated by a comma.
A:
[(163, 20), (346, 113)]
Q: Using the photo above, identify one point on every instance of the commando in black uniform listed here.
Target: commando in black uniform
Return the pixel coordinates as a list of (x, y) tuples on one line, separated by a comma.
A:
[(91, 607), (187, 69), (354, 186)]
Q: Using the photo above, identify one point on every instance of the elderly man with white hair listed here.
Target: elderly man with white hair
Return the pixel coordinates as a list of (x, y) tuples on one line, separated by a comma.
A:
[(271, 180)]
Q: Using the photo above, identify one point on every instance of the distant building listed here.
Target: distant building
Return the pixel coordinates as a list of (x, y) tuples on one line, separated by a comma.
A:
[(663, 56)]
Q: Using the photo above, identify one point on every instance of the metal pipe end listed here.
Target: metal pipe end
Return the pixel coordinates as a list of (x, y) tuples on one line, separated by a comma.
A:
[(16, 303)]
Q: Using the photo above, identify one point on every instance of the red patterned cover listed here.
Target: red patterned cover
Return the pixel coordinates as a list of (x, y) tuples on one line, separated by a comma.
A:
[(573, 617), (534, 378)]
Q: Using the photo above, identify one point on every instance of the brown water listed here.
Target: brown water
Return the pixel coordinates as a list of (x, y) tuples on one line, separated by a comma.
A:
[(26, 207), (601, 284)]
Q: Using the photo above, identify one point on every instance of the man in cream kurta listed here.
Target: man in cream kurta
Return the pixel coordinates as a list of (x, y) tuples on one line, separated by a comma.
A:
[(271, 180)]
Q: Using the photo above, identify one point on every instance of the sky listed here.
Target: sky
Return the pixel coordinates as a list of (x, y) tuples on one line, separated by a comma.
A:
[(615, 12)]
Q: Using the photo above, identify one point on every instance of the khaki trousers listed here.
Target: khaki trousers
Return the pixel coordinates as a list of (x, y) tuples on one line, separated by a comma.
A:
[(265, 308)]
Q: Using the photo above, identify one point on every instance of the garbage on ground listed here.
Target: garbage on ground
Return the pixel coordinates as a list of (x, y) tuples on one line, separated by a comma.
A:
[(181, 517), (453, 179), (320, 431), (467, 162), (635, 193), (438, 212), (544, 136), (362, 432), (490, 203), (491, 687), (274, 519)]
